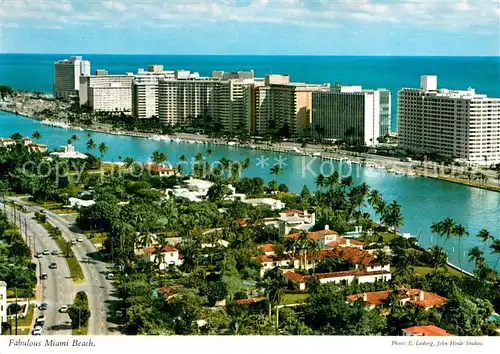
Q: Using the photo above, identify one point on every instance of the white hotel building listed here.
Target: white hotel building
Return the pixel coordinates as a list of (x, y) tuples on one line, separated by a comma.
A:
[(351, 114), (67, 74), (459, 124)]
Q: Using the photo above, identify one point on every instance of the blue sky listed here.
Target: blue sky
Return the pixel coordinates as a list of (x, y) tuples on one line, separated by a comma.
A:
[(278, 27)]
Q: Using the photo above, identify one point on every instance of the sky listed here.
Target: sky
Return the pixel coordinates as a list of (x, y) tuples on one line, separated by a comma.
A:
[(260, 27)]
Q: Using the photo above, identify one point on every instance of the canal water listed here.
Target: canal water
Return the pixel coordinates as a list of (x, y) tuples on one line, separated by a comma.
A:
[(423, 200)]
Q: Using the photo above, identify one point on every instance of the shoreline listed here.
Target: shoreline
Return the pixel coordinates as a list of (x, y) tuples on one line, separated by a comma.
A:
[(389, 164)]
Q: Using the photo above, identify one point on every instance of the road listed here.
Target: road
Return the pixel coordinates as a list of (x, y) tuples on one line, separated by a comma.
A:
[(56, 290), (97, 287)]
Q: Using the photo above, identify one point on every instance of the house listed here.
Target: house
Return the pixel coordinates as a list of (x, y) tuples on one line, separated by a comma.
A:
[(344, 277), (297, 220), (361, 259), (417, 297), (38, 147), (161, 170), (249, 301), (69, 152), (268, 249), (170, 291), (3, 303), (426, 331), (166, 256), (328, 239), (196, 190), (273, 204), (76, 202), (6, 143)]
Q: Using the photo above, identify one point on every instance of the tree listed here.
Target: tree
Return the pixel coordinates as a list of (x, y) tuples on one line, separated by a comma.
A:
[(74, 137), (273, 186), (283, 188), (36, 135), (79, 312), (438, 257), (484, 235), (444, 228), (477, 257), (346, 182), (305, 193), (128, 162), (460, 232), (320, 181), (274, 289), (392, 217), (275, 170), (159, 157), (495, 249), (102, 149), (374, 198), (91, 144), (16, 136), (218, 191)]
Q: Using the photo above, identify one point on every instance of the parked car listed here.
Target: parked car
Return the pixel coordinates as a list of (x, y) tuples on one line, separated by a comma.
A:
[(43, 276), (36, 332), (53, 265), (40, 319), (79, 239), (43, 306), (46, 252), (38, 326), (55, 252), (64, 309), (73, 242), (39, 255), (110, 276)]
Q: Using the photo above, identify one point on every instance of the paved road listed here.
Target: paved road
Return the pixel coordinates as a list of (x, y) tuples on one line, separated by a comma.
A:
[(97, 287), (56, 290)]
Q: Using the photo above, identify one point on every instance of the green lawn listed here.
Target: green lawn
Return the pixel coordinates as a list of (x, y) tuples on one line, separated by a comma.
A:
[(293, 298), (387, 236), (83, 331), (26, 322), (427, 270)]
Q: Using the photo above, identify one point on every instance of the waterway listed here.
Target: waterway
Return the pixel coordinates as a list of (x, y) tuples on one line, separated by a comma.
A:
[(423, 200)]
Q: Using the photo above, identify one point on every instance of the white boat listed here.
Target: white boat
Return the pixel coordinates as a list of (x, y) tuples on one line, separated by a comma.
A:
[(231, 143)]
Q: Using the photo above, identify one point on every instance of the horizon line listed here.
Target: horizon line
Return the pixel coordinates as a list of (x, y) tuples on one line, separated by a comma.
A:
[(269, 55)]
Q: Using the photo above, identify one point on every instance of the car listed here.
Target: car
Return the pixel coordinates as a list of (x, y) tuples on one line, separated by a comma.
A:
[(46, 252), (64, 309), (40, 319), (38, 326), (36, 332), (39, 255), (79, 239), (54, 252), (53, 265), (110, 276), (43, 306), (43, 276), (73, 242)]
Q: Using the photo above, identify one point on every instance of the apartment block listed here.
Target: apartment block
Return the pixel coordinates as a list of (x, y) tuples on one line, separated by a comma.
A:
[(107, 93), (280, 103), (351, 114), (67, 74), (145, 99), (459, 124)]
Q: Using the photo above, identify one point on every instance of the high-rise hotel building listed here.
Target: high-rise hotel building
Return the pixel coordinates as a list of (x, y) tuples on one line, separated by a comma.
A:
[(351, 114), (67, 74), (454, 123)]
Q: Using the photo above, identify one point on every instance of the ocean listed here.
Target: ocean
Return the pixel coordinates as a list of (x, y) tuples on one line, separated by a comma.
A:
[(34, 72)]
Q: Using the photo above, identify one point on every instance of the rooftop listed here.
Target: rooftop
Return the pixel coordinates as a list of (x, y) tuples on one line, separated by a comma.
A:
[(355, 273), (380, 297), (428, 331), (163, 250)]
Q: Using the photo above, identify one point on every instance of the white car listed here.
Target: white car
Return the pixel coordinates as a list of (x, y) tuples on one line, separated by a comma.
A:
[(79, 239), (46, 252), (64, 309), (40, 319), (37, 332), (38, 327)]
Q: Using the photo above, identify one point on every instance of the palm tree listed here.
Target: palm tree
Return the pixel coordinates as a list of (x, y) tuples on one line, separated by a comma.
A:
[(346, 182), (380, 207), (36, 135), (245, 163), (198, 157), (495, 249), (275, 170), (459, 231), (476, 256), (182, 158), (91, 144), (209, 152), (74, 137), (332, 180), (272, 185), (438, 257), (235, 171), (128, 162), (159, 157), (374, 198), (444, 228), (16, 137), (320, 181), (484, 235), (102, 149), (274, 289)]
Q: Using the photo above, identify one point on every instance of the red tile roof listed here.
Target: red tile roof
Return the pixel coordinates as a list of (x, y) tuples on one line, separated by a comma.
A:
[(291, 212), (313, 235), (357, 273), (158, 168), (169, 290), (350, 254), (428, 331), (268, 247), (273, 258), (380, 297), (242, 222), (342, 241), (249, 301), (164, 249)]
